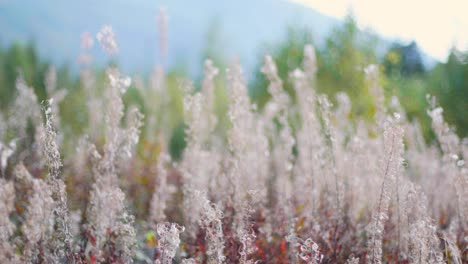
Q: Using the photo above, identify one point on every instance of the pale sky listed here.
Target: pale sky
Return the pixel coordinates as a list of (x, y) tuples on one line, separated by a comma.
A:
[(435, 25)]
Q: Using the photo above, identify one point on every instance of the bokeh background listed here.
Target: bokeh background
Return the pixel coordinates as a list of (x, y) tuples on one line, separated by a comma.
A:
[(419, 48)]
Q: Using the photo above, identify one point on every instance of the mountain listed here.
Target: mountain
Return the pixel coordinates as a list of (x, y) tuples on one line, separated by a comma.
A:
[(241, 27)]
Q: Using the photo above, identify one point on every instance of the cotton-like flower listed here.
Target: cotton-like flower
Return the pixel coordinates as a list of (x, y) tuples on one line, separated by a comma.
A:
[(118, 81), (132, 132), (7, 228), (38, 226), (453, 166), (107, 39), (352, 260), (86, 40), (86, 43), (308, 250), (107, 216), (161, 194), (26, 107), (50, 152), (48, 143), (390, 167), (310, 61), (189, 261), (211, 221), (208, 90), (169, 241), (7, 199), (50, 80), (109, 221), (84, 59), (162, 23), (421, 238), (157, 79), (6, 151)]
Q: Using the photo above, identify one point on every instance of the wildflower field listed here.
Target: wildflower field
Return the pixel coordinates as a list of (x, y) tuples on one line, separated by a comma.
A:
[(297, 180)]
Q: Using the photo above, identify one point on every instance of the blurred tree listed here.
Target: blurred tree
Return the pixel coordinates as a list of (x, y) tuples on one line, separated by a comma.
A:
[(407, 80), (341, 64), (404, 59), (449, 83), (21, 59), (288, 56)]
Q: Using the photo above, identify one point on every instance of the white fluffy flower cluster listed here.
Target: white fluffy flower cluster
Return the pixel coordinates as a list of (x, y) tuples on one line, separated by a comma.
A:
[(107, 39), (168, 241)]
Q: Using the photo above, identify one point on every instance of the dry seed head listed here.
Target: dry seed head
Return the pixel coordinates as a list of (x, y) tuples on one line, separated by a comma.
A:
[(7, 199), (168, 241), (310, 61), (48, 143)]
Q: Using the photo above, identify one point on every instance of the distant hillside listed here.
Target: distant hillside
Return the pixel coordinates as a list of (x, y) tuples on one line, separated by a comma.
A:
[(56, 25)]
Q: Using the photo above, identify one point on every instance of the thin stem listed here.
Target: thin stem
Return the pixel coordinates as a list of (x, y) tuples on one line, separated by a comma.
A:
[(387, 167)]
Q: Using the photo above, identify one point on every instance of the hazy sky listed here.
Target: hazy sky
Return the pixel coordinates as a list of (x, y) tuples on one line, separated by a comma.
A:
[(435, 25)]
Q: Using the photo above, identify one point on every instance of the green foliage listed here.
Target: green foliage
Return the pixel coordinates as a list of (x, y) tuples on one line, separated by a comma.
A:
[(347, 51), (288, 56), (411, 92), (177, 142), (403, 60), (449, 83), (341, 60), (22, 60), (340, 64)]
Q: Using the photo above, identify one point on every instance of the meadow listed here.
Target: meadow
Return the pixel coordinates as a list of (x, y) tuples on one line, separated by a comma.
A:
[(298, 179)]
